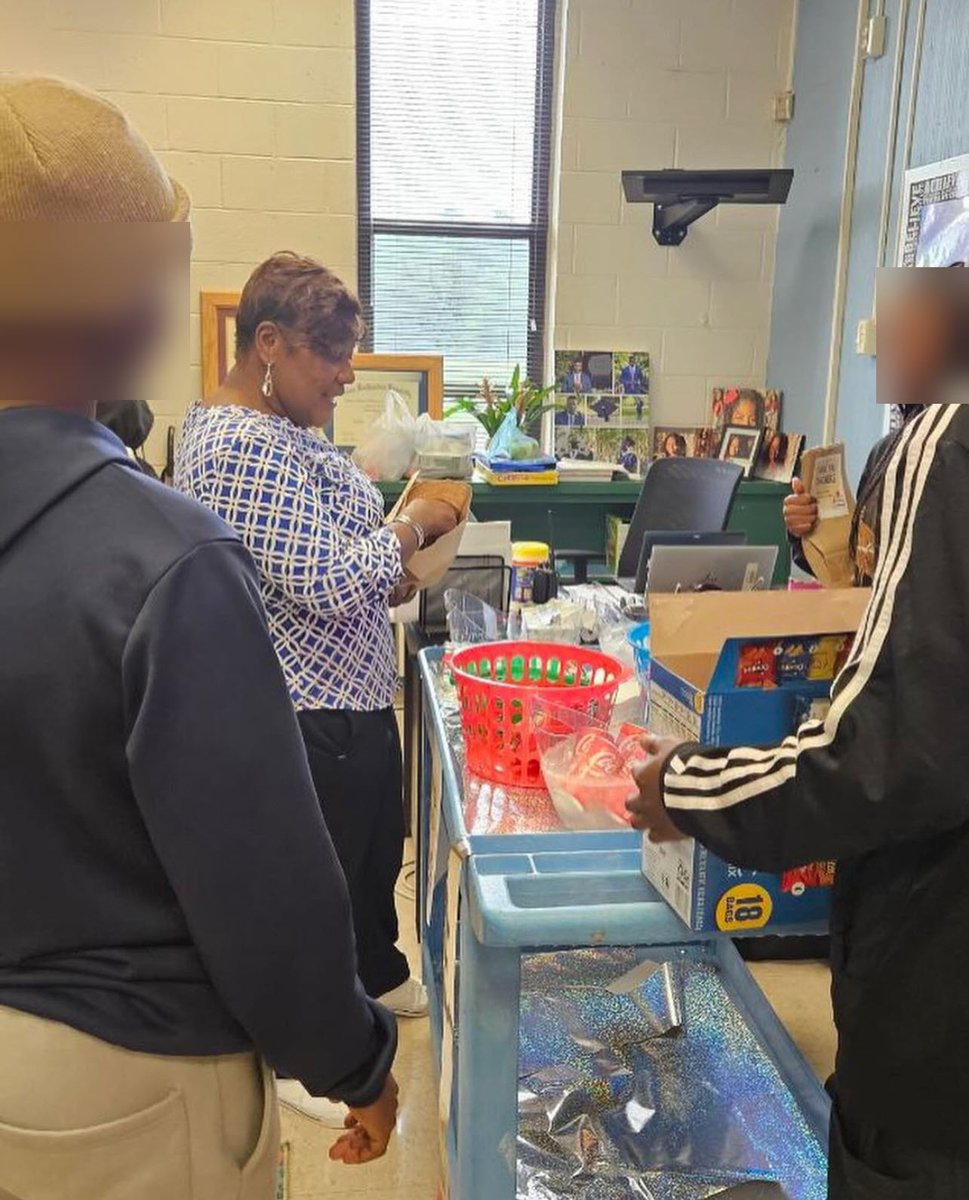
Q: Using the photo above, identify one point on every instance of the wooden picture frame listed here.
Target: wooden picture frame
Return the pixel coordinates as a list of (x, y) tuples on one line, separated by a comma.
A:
[(218, 315), (419, 378)]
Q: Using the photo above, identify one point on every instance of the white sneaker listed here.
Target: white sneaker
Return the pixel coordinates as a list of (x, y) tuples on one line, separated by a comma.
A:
[(408, 1000), (294, 1096)]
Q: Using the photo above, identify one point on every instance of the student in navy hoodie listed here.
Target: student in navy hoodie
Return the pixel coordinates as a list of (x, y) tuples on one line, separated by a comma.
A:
[(173, 918)]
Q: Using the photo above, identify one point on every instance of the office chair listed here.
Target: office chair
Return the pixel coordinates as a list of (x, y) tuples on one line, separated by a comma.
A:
[(679, 494)]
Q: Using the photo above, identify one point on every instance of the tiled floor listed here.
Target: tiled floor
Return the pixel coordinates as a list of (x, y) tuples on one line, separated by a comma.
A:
[(798, 991)]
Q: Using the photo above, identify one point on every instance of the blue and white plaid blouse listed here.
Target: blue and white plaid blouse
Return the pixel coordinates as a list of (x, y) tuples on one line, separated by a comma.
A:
[(314, 524)]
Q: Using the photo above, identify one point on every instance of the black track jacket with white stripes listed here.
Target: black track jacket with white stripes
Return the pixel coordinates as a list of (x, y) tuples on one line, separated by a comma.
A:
[(882, 786)]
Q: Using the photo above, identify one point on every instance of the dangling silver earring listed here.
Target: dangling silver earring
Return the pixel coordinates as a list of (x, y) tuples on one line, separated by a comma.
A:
[(267, 383)]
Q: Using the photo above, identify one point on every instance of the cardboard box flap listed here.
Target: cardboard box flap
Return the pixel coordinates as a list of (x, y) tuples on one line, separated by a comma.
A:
[(696, 669), (699, 623)]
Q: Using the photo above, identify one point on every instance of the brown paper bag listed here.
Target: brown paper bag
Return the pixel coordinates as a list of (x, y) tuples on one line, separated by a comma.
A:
[(429, 566), (826, 547)]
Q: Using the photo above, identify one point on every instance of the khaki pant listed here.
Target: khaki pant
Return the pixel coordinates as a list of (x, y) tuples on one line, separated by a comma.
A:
[(84, 1120)]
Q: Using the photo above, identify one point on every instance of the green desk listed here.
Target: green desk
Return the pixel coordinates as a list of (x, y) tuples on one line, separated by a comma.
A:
[(580, 511)]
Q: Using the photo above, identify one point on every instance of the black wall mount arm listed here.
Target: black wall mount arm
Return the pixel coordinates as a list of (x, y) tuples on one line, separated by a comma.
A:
[(682, 197), (671, 221)]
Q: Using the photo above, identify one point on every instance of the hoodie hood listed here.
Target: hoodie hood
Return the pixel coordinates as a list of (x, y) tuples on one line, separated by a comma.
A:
[(132, 421), (45, 455)]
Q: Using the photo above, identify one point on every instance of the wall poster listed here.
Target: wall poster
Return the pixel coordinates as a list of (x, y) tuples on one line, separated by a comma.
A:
[(934, 229)]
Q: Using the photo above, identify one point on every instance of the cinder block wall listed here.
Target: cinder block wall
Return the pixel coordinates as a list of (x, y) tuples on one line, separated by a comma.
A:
[(250, 103), (670, 83)]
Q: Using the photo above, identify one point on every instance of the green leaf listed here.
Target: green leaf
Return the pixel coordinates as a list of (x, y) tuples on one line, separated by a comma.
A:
[(461, 406)]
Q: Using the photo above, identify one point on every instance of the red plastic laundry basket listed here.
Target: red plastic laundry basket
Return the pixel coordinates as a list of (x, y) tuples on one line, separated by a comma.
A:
[(496, 682)]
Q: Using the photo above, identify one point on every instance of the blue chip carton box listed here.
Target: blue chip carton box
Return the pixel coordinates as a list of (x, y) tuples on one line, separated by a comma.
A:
[(743, 669)]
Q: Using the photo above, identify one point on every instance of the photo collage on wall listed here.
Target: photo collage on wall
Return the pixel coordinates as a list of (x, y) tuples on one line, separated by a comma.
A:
[(602, 407), (603, 414)]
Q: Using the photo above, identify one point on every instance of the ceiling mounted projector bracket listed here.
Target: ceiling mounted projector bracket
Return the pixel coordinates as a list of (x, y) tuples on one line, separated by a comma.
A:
[(682, 197)]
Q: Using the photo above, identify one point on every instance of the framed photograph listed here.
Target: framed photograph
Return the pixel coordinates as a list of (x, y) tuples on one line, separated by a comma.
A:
[(934, 224), (778, 456), (740, 444), (418, 378), (756, 408), (685, 442)]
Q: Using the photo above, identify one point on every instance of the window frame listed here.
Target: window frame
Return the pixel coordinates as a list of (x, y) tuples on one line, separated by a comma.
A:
[(535, 232)]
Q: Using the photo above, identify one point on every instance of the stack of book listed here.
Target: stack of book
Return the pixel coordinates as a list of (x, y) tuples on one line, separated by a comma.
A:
[(578, 471), (507, 473)]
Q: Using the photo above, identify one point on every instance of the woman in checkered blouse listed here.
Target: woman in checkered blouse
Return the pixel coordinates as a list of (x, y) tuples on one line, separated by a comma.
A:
[(329, 569)]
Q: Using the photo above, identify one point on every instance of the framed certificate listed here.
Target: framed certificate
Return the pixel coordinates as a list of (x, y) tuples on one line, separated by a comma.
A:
[(417, 378)]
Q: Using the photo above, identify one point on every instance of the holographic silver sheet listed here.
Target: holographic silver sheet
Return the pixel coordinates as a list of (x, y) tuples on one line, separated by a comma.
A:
[(642, 1081)]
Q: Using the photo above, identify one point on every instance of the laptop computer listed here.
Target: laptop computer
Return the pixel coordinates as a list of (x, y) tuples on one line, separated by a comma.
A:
[(723, 568), (678, 537)]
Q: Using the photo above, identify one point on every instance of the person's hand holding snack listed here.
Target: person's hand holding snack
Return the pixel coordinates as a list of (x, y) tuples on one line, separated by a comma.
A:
[(647, 810), (368, 1129), (404, 592), (800, 511)]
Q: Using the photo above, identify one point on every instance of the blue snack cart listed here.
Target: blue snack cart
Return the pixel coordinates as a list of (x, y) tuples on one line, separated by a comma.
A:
[(589, 1044)]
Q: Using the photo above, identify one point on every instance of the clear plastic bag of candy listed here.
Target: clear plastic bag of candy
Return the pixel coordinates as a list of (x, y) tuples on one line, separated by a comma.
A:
[(587, 765)]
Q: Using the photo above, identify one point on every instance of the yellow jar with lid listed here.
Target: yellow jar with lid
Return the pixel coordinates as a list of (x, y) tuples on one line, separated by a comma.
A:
[(526, 559)]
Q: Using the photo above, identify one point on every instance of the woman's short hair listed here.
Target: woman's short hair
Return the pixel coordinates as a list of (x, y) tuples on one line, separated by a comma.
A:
[(306, 300)]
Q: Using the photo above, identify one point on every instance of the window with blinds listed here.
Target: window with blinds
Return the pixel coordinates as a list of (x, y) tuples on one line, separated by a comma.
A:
[(453, 129)]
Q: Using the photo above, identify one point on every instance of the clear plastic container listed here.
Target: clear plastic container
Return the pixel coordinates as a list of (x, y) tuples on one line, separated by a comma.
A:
[(445, 449), (470, 620), (445, 464), (587, 766), (526, 559), (555, 621)]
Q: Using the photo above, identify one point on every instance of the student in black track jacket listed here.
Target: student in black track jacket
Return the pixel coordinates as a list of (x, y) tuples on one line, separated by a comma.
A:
[(881, 786)]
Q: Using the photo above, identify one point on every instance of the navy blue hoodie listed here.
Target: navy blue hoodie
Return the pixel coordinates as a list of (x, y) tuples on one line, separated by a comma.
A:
[(167, 882)]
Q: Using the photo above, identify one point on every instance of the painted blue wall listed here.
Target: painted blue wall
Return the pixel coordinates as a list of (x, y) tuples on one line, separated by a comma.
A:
[(860, 421), (800, 342), (807, 241), (942, 112)]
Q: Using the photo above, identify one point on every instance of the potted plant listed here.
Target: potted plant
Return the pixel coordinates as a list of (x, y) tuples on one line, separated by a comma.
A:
[(490, 407)]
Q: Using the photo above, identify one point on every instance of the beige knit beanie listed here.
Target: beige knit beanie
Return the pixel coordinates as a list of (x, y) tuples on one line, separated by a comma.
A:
[(86, 210)]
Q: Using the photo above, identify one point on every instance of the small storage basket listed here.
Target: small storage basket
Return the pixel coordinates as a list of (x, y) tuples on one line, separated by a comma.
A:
[(496, 683)]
